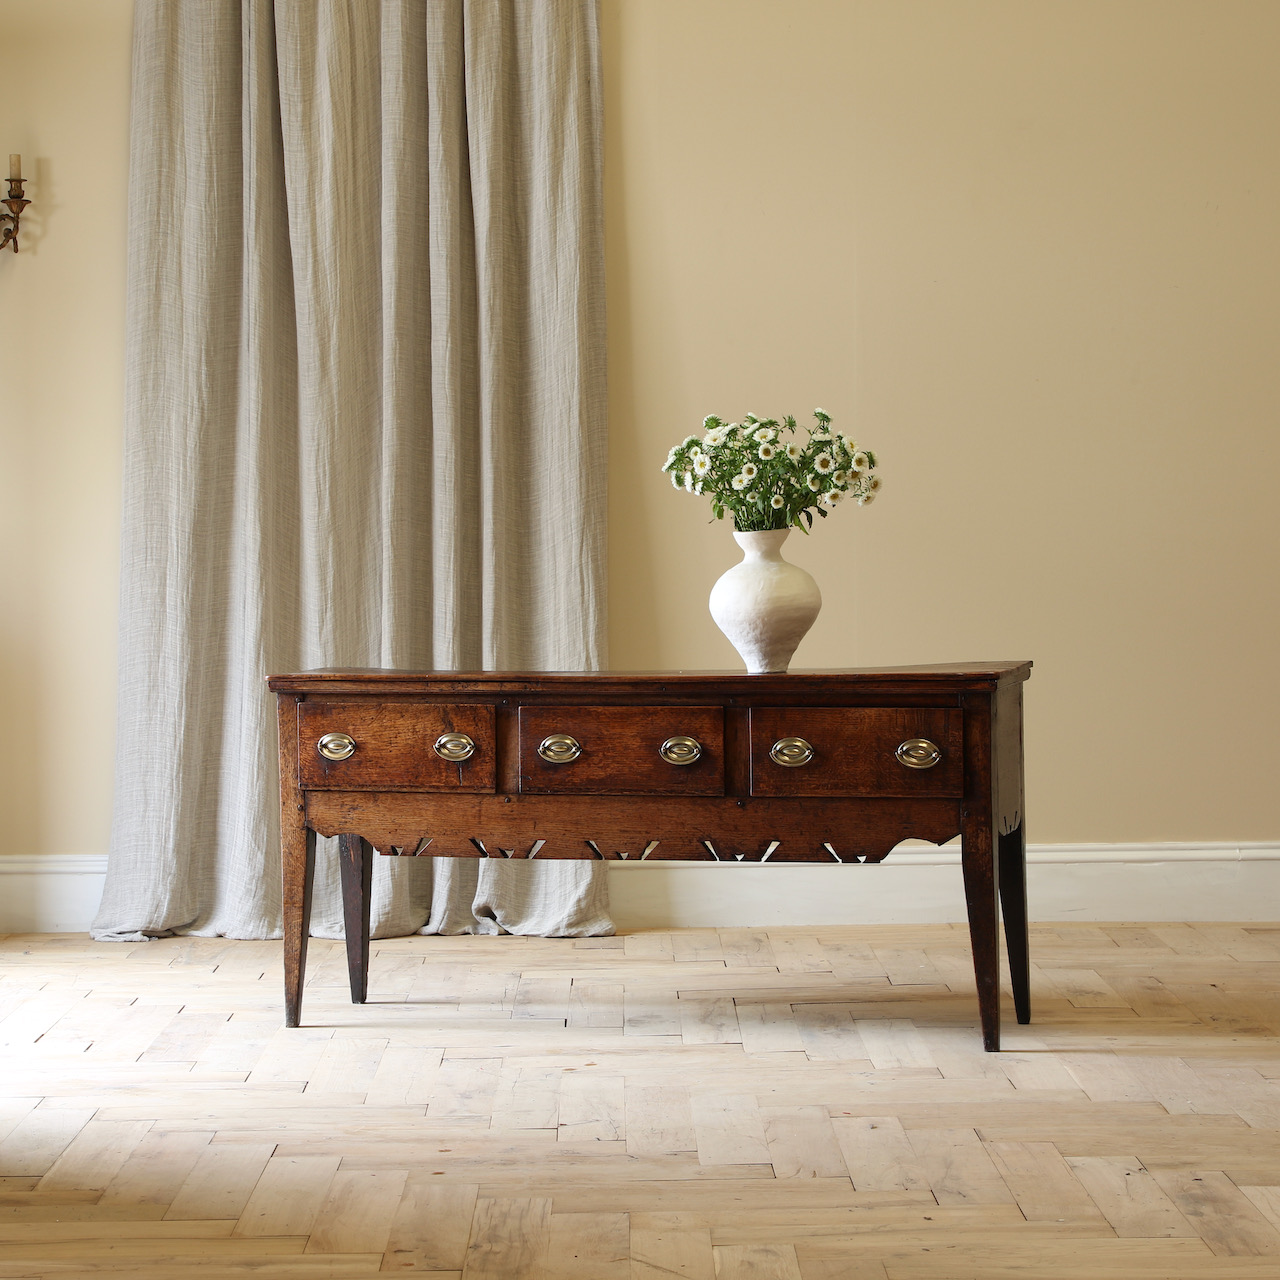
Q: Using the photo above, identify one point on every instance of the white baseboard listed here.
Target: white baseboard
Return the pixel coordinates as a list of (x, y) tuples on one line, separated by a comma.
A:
[(917, 884), (50, 892), (921, 884)]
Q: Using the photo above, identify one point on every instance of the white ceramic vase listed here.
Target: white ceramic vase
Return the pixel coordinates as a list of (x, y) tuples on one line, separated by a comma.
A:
[(765, 605)]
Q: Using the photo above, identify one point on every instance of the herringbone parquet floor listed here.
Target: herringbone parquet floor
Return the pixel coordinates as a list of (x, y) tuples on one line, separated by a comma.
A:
[(734, 1105)]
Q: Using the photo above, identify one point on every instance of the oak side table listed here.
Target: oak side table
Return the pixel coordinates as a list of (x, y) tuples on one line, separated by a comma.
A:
[(811, 766)]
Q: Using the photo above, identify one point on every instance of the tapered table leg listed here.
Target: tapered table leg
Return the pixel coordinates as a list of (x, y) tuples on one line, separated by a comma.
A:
[(355, 858), (978, 859), (1013, 903), (299, 871)]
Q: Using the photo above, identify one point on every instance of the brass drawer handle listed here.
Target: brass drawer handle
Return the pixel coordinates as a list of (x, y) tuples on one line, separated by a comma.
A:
[(919, 753), (680, 750), (336, 746), (791, 752), (454, 747), (559, 748)]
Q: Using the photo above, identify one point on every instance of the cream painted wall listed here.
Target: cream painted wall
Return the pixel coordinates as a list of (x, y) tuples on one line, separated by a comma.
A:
[(64, 65), (1028, 252)]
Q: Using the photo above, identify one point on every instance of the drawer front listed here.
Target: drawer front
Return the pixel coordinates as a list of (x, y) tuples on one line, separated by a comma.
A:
[(619, 751), (855, 751), (395, 747)]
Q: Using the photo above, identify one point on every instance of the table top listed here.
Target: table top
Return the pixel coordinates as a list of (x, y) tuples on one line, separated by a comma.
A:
[(955, 675)]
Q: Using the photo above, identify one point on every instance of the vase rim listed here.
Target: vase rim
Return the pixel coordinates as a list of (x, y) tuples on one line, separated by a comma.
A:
[(739, 534)]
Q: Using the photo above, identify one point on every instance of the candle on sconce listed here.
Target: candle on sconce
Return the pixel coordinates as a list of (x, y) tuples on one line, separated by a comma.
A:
[(15, 167)]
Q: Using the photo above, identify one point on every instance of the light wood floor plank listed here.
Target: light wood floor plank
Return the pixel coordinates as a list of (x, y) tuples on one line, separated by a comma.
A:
[(878, 1154), (588, 1246), (432, 1226), (591, 1108), (659, 1255), (1223, 1217), (39, 1138), (659, 1120), (509, 1239), (220, 1183), (729, 1130), (1266, 1200), (1042, 1183), (802, 1143), (157, 1167), (288, 1196), (709, 1020), (957, 1167), (768, 1028), (357, 1212), (757, 1262), (1129, 1197), (811, 1103), (95, 1155)]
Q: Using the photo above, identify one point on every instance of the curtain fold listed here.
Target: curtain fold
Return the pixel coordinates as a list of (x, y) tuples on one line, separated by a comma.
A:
[(364, 420)]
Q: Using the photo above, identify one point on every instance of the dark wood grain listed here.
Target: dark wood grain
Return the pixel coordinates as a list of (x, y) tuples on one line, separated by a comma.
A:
[(1011, 840), (951, 676), (854, 804), (620, 751), (297, 861), (355, 862), (394, 746), (978, 863), (1011, 850), (854, 751), (860, 827)]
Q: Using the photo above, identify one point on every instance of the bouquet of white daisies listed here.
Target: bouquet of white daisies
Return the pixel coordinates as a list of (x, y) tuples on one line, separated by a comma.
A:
[(769, 475)]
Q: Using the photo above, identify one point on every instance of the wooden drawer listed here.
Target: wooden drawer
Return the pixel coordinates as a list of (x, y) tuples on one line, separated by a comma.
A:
[(854, 751), (394, 748), (620, 751)]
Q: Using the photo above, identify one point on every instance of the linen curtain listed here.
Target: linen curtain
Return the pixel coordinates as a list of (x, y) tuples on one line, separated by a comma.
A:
[(365, 418)]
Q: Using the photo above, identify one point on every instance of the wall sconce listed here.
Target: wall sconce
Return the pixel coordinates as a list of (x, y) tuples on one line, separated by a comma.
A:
[(15, 204)]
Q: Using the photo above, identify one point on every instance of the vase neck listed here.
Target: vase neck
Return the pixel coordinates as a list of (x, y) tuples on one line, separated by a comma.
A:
[(763, 545)]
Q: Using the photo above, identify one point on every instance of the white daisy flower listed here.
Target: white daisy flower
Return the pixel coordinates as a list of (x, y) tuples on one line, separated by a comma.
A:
[(814, 483), (750, 470), (861, 462), (688, 481), (823, 463), (765, 452), (739, 482), (763, 435), (714, 437), (837, 477), (777, 502), (833, 498), (873, 483), (701, 465), (793, 452), (865, 498)]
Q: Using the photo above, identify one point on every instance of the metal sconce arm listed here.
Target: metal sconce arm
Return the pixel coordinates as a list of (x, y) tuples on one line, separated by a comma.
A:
[(15, 204)]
